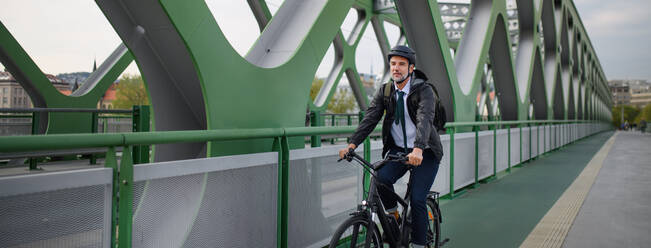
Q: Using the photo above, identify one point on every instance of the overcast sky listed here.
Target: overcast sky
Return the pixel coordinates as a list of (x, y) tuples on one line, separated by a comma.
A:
[(66, 36)]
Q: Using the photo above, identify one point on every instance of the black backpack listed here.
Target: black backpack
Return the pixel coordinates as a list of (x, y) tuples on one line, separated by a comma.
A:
[(440, 118)]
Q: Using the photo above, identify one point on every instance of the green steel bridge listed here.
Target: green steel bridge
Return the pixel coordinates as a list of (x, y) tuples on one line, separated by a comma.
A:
[(223, 157)]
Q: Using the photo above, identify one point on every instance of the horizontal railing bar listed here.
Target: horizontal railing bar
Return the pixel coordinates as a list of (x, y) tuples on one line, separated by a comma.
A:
[(87, 140), (114, 117), (192, 136), (15, 116), (304, 131), (59, 141), (339, 114), (75, 110), (490, 123)]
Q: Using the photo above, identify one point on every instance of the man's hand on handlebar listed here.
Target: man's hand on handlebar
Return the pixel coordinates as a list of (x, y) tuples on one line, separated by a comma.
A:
[(415, 157), (343, 152)]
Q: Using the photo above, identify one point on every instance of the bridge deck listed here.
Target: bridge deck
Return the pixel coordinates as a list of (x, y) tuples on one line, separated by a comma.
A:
[(616, 211)]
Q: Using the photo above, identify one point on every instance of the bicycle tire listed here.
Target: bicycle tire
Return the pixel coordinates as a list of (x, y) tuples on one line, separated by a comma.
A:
[(433, 224), (341, 238)]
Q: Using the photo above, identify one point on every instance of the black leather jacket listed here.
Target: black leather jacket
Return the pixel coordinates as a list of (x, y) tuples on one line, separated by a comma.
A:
[(420, 104)]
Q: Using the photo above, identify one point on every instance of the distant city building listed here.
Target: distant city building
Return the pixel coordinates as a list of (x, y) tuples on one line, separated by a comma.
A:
[(631, 92), (12, 94), (106, 102), (369, 81)]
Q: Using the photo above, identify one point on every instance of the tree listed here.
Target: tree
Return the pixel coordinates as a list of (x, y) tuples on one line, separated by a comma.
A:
[(131, 91), (630, 114), (343, 101), (645, 114), (316, 86)]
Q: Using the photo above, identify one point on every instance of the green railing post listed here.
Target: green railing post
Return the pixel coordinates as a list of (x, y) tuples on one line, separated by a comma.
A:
[(315, 121), (140, 124), (451, 131), (495, 150), (476, 129), (112, 162), (558, 137), (33, 162), (333, 122), (93, 129), (367, 156), (508, 160), (544, 138), (350, 122), (104, 125), (283, 190), (520, 127), (537, 139), (530, 150), (125, 220)]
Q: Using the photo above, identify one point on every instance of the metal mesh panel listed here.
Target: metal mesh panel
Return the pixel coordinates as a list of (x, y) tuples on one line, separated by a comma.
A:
[(322, 194), (515, 146), (72, 217), (485, 160), (464, 159), (442, 180), (239, 209), (223, 208), (534, 141), (525, 143), (502, 149), (548, 138)]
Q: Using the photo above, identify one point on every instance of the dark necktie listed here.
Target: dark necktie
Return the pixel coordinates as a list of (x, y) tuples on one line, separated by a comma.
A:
[(400, 116)]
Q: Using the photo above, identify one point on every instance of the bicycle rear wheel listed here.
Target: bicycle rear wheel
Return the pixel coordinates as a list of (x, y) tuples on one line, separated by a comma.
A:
[(433, 224), (354, 232)]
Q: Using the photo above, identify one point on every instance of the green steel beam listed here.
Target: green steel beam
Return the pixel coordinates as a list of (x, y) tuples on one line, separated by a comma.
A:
[(44, 95), (568, 69)]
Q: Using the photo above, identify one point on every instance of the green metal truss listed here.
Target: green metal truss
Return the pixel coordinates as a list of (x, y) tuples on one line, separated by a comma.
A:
[(44, 95), (197, 81)]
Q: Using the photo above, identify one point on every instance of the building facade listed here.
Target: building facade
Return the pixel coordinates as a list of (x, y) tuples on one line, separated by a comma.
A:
[(631, 92), (12, 94)]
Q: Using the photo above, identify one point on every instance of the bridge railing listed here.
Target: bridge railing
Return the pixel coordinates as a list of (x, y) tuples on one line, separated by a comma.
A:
[(182, 202), (28, 119), (102, 121)]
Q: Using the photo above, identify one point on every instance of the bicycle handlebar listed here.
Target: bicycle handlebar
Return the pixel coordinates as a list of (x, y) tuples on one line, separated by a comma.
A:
[(399, 157)]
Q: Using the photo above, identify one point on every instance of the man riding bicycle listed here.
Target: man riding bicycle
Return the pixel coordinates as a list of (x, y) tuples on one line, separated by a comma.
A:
[(408, 127)]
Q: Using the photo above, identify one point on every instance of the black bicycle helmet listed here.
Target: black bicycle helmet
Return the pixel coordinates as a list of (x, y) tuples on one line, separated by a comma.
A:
[(403, 51)]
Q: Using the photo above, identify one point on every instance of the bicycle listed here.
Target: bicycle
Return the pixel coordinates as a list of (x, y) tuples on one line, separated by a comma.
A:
[(365, 232)]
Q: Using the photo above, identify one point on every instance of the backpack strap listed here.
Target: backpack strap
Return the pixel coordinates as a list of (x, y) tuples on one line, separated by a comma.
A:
[(435, 92), (387, 90)]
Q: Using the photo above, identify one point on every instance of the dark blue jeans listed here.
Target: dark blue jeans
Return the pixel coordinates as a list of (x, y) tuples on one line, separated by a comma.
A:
[(422, 179)]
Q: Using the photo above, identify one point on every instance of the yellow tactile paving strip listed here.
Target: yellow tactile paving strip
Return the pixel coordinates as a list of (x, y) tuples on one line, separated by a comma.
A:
[(553, 227)]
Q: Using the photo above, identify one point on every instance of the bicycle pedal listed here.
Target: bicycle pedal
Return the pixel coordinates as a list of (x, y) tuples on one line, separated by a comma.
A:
[(441, 243)]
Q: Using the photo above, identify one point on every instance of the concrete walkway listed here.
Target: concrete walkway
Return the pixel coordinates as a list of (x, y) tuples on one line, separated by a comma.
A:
[(617, 210)]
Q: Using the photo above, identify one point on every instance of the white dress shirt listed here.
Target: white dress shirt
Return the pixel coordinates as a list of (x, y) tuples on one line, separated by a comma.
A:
[(396, 130)]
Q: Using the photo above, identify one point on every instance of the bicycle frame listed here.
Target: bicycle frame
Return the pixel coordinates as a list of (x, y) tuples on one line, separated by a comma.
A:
[(373, 204)]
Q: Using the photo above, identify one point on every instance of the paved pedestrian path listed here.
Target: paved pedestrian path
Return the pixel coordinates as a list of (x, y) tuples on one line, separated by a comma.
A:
[(502, 213), (617, 211)]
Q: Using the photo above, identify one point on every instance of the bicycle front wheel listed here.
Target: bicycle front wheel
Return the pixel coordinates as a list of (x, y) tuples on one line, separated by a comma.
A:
[(357, 231), (433, 225)]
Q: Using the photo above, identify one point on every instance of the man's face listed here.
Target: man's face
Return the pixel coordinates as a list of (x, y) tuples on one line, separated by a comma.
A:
[(400, 68)]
